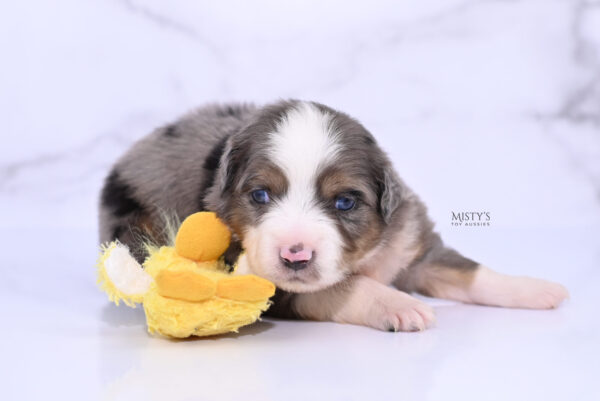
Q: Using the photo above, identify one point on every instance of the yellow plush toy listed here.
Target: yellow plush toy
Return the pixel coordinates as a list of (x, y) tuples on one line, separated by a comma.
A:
[(185, 288)]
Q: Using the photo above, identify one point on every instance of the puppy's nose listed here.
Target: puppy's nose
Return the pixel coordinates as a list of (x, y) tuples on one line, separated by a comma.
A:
[(296, 257)]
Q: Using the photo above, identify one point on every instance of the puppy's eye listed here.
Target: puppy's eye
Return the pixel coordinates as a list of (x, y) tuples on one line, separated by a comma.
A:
[(344, 203), (260, 196)]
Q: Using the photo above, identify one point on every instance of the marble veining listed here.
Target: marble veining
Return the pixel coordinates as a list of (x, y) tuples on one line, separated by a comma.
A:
[(482, 105)]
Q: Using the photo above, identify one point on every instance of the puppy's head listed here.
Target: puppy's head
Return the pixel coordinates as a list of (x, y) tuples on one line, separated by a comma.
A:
[(308, 191)]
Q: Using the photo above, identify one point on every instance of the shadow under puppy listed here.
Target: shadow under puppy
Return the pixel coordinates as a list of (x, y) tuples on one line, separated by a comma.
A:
[(317, 208)]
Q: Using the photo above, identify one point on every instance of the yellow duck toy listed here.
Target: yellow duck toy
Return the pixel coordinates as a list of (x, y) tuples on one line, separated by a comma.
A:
[(185, 288)]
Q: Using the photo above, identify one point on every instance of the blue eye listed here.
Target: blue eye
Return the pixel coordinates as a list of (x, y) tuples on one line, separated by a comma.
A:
[(260, 196), (344, 203)]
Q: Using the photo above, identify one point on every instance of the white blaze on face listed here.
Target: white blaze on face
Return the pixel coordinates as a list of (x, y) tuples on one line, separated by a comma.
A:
[(301, 147)]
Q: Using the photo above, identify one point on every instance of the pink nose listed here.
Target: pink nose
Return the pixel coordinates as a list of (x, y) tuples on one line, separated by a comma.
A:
[(296, 253)]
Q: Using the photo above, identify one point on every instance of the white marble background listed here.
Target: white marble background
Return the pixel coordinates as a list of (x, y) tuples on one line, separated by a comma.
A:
[(483, 105), (489, 105)]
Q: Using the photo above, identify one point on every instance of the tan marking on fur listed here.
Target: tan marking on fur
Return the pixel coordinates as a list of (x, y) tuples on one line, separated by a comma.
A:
[(333, 181), (363, 245), (387, 260), (444, 282), (266, 175)]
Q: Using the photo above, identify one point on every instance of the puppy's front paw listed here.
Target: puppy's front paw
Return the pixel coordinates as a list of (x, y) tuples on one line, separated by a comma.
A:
[(492, 288), (401, 312), (535, 293)]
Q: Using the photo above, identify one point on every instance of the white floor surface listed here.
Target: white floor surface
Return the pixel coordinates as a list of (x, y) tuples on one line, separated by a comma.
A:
[(63, 340)]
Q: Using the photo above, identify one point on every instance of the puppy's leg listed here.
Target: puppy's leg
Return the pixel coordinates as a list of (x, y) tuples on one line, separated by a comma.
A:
[(444, 273), (364, 301), (123, 217), (129, 230)]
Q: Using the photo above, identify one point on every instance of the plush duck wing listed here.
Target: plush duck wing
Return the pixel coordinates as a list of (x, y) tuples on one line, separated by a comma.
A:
[(197, 287), (247, 288), (185, 285)]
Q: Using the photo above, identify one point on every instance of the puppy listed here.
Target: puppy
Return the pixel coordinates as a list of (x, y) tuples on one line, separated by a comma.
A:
[(315, 206)]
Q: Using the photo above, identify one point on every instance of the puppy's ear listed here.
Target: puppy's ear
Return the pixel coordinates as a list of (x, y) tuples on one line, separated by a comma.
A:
[(221, 186), (390, 193)]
